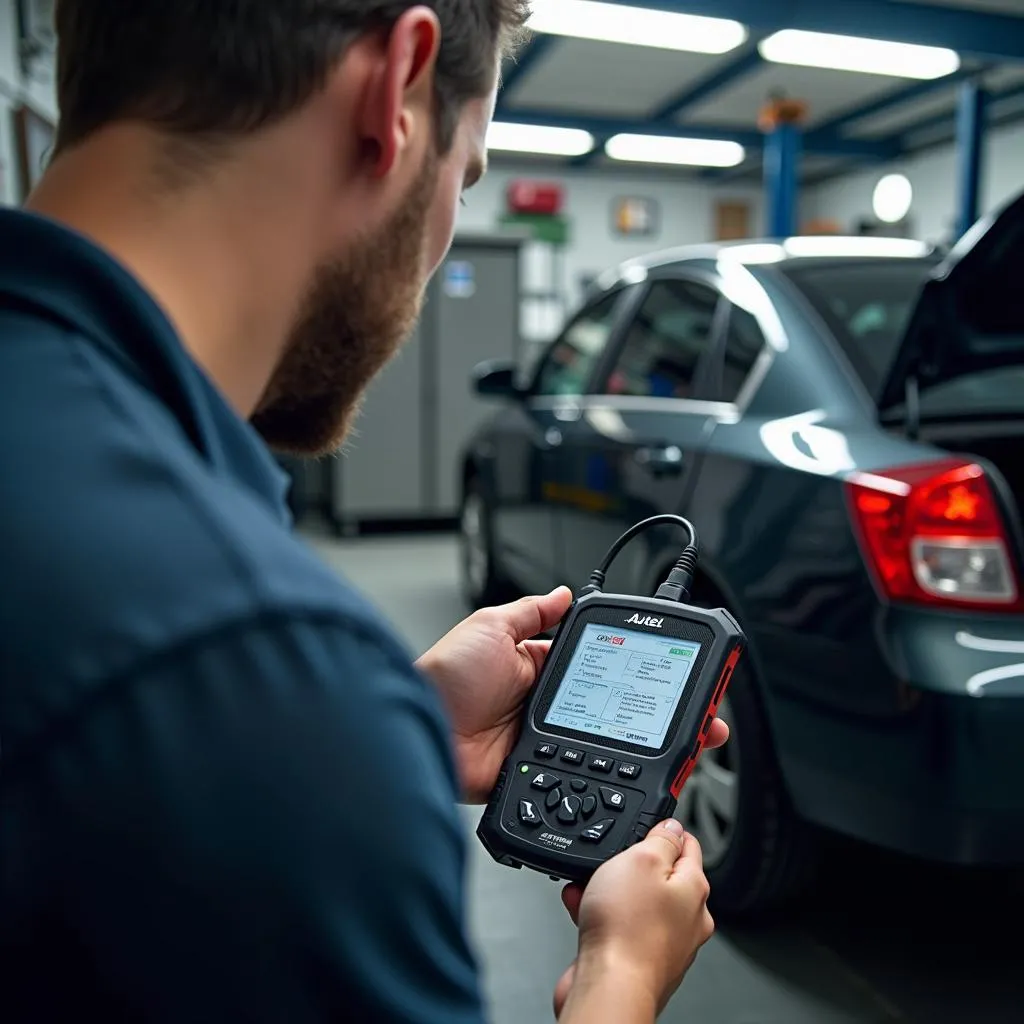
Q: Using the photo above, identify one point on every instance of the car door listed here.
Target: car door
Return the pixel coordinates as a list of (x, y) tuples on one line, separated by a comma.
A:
[(530, 432), (633, 449)]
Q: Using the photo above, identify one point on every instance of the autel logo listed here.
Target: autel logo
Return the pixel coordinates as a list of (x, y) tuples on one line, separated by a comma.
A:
[(646, 620)]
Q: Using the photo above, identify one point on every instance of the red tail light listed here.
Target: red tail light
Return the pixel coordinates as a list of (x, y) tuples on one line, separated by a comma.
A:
[(934, 535)]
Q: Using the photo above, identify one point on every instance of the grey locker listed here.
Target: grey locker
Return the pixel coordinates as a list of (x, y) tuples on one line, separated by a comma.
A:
[(379, 474), (401, 458), (469, 326)]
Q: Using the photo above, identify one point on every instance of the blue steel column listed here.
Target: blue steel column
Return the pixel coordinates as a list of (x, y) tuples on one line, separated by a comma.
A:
[(970, 138), (780, 121)]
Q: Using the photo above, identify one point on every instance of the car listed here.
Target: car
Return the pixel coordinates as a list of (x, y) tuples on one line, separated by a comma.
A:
[(837, 417)]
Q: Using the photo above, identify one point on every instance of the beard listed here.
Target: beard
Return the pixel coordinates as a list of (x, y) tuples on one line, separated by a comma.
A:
[(358, 311)]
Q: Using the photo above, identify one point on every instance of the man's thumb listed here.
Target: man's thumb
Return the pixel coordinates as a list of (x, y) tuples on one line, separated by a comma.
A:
[(668, 839), (532, 615)]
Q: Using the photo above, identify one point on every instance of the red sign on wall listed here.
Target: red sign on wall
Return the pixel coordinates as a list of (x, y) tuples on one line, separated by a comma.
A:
[(534, 197)]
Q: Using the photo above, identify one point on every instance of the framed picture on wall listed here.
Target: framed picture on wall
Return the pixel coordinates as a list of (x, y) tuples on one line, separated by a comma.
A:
[(635, 217), (34, 137)]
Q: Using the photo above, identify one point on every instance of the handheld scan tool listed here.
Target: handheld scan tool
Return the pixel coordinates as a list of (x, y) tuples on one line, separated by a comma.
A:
[(615, 723)]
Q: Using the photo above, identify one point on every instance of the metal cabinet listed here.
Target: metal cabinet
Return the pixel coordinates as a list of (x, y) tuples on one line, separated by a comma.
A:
[(401, 460)]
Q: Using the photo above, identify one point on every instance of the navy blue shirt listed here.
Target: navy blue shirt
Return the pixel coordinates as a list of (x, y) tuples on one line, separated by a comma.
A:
[(226, 793)]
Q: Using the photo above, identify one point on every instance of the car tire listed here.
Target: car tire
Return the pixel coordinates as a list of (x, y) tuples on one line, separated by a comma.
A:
[(481, 580), (760, 858)]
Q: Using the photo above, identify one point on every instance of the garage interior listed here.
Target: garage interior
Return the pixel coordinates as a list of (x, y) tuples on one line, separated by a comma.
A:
[(623, 130)]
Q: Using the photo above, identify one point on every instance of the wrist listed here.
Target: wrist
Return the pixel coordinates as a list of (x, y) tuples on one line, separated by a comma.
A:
[(610, 986)]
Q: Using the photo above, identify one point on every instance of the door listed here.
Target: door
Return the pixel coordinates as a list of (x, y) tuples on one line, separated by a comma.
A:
[(530, 433), (632, 450)]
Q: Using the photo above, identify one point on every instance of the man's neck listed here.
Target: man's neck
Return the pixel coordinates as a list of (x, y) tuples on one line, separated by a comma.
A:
[(212, 255)]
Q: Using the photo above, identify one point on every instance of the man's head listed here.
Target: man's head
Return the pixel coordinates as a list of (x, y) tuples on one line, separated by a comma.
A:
[(374, 112)]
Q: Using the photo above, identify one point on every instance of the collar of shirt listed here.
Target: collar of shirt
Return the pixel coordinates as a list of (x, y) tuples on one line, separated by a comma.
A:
[(53, 272)]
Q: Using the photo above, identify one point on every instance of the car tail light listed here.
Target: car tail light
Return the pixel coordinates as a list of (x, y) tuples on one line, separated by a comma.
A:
[(934, 535)]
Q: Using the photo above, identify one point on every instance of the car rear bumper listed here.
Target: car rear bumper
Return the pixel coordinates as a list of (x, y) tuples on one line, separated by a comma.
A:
[(942, 775)]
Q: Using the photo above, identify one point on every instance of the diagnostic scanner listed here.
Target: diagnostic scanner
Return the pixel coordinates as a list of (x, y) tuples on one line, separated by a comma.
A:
[(614, 725)]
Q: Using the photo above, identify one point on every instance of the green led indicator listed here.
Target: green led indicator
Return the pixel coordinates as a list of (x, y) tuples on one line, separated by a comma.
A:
[(525, 768), (680, 651)]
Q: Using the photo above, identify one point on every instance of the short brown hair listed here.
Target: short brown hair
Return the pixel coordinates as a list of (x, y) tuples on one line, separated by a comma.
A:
[(218, 69)]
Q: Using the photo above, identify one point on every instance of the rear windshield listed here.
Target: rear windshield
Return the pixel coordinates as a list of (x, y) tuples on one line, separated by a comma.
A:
[(866, 305)]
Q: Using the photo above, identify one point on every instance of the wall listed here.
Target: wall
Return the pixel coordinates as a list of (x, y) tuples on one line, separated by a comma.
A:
[(686, 208), (34, 89), (934, 177)]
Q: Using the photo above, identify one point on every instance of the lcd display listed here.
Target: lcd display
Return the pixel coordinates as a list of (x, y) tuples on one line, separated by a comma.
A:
[(623, 684)]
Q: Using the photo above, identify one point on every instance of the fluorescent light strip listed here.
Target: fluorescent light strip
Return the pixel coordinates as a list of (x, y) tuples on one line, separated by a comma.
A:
[(851, 53), (830, 245), (636, 26), (542, 139), (667, 149)]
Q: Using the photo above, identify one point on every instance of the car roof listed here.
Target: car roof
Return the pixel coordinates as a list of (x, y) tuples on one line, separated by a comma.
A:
[(801, 249)]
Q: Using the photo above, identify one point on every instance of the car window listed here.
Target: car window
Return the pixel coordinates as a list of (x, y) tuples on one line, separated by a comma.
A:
[(743, 344), (570, 361), (867, 307), (670, 332)]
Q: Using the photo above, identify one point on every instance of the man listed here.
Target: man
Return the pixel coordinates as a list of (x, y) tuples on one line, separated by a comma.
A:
[(227, 794)]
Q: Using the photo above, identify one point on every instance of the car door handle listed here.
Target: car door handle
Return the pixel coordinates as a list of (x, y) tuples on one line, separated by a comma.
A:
[(664, 460)]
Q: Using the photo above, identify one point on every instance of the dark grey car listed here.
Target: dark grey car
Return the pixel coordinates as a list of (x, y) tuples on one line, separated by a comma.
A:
[(839, 418)]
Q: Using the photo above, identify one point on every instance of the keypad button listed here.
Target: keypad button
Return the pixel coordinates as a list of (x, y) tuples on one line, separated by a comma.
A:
[(612, 798), (544, 781), (528, 814), (601, 764), (578, 785), (569, 809), (546, 750), (572, 756), (553, 798), (596, 832), (589, 806), (629, 771)]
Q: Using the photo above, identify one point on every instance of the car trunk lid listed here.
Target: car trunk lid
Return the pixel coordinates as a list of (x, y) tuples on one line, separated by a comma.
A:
[(969, 319)]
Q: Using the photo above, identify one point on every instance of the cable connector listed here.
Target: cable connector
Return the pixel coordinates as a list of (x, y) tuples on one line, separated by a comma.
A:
[(595, 585), (680, 578)]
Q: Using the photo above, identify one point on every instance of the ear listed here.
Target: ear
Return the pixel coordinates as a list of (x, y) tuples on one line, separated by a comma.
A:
[(399, 94)]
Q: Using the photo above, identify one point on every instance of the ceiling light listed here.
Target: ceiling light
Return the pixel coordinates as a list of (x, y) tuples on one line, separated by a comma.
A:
[(834, 246), (638, 26), (893, 198), (666, 149), (538, 138), (850, 53)]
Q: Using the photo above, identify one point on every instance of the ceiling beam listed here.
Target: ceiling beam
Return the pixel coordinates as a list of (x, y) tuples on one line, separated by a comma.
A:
[(739, 65), (743, 63), (994, 119), (606, 127), (529, 53), (997, 37), (896, 98)]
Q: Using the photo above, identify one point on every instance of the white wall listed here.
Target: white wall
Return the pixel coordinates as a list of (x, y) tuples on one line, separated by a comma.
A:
[(934, 177), (35, 90), (686, 216)]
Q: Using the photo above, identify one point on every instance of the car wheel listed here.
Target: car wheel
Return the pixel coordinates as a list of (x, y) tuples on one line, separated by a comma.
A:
[(482, 583), (757, 853)]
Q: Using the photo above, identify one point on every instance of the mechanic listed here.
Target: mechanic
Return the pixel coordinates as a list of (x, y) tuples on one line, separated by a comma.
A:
[(228, 794)]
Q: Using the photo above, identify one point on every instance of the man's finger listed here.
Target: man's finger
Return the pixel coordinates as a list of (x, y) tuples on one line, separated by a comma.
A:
[(691, 851), (537, 650), (529, 616), (668, 839), (718, 735), (572, 896)]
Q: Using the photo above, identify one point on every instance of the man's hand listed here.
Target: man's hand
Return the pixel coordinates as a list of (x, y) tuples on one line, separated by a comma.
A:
[(484, 669), (642, 919)]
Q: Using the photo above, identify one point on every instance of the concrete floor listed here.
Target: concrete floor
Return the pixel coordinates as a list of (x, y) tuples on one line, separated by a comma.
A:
[(877, 941)]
